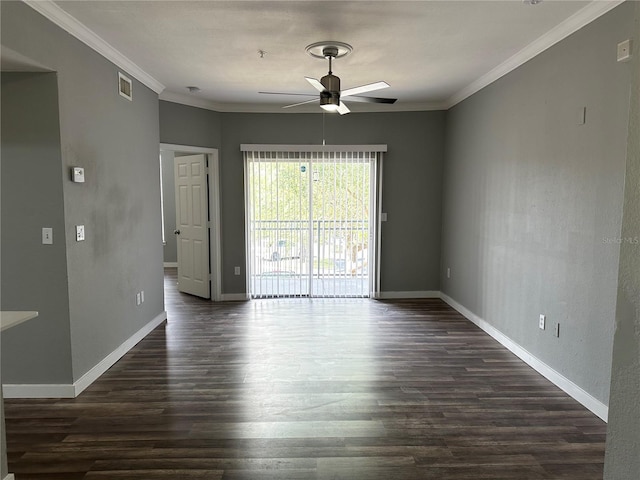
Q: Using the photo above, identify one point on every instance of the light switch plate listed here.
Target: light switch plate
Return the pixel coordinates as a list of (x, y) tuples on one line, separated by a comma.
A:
[(79, 233), (383, 217), (47, 236)]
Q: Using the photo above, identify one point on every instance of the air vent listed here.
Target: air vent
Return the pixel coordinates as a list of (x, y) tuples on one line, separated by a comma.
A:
[(125, 87)]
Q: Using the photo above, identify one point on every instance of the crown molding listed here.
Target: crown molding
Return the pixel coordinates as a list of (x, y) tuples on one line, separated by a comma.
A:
[(199, 102), (583, 17), (191, 101), (68, 23)]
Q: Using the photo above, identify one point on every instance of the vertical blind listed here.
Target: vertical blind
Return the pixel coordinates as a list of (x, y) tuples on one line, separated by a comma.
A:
[(311, 220)]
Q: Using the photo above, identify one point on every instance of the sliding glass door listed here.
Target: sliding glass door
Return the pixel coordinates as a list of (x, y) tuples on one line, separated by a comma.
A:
[(310, 223)]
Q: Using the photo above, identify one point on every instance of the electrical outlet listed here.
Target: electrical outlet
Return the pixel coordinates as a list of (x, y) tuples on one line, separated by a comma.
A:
[(79, 233), (138, 300), (557, 330), (142, 296), (448, 272), (236, 270), (543, 320)]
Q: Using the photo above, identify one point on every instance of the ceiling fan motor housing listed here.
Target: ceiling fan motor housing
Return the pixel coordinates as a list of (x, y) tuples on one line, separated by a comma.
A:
[(331, 83)]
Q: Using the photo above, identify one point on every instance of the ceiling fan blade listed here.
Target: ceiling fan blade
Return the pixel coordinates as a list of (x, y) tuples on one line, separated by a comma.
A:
[(315, 83), (285, 93), (301, 103), (342, 109), (364, 88), (355, 98)]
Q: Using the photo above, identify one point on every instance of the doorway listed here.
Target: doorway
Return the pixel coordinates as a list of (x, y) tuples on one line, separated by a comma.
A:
[(311, 223), (198, 209)]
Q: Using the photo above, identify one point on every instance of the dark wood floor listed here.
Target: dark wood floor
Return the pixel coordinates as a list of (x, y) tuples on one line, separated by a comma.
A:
[(299, 389)]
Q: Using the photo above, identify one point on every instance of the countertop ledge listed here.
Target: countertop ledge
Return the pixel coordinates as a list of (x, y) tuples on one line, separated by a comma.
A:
[(10, 319)]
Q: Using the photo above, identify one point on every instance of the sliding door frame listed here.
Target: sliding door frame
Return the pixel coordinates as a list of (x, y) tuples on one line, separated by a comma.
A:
[(375, 212)]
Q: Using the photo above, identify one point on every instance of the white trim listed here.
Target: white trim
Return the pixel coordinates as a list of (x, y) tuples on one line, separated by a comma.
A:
[(10, 390), (198, 102), (170, 264), (378, 264), (573, 390), (71, 25), (248, 264), (191, 101), (215, 238), (72, 391), (250, 147), (374, 226), (234, 297), (174, 147), (582, 17), (92, 375), (10, 477), (414, 294)]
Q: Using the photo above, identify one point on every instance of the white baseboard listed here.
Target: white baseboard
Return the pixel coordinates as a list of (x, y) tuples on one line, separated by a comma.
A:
[(562, 382), (416, 294), (234, 297), (75, 389), (9, 477), (92, 375), (33, 390), (170, 264)]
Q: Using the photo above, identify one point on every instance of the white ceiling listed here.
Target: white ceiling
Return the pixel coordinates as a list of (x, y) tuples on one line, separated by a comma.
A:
[(430, 52)]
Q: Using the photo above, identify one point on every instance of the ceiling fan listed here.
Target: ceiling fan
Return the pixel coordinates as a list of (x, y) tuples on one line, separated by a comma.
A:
[(329, 86)]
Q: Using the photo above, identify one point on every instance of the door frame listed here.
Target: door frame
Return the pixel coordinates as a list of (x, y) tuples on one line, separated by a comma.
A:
[(376, 213), (215, 239)]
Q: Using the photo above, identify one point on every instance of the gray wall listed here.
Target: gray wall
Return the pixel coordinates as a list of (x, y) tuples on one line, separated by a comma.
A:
[(184, 125), (412, 179), (169, 206), (532, 201), (623, 435), (116, 141), (34, 276)]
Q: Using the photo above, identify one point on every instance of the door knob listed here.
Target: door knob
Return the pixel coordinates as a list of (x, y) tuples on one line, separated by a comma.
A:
[(176, 232)]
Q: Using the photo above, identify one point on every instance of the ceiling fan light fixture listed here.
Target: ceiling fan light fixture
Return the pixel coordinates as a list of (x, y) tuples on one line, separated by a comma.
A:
[(329, 101), (329, 107), (329, 85)]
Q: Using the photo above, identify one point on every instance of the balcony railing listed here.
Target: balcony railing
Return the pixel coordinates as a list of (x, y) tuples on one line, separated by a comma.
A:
[(292, 257)]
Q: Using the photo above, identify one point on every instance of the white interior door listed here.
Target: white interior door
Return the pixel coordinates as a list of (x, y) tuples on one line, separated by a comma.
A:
[(192, 225)]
